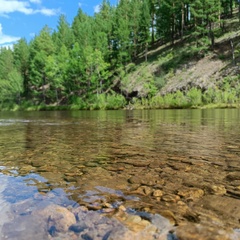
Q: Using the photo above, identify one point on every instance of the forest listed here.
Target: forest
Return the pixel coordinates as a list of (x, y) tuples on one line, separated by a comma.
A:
[(81, 64)]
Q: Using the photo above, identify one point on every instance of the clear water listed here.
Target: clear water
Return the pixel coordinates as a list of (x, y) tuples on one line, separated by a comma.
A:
[(86, 158)]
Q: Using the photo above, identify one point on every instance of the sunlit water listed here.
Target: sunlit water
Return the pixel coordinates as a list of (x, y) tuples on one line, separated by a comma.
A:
[(86, 158)]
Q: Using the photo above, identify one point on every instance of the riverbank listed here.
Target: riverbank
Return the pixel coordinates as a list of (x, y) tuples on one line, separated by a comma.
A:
[(193, 99)]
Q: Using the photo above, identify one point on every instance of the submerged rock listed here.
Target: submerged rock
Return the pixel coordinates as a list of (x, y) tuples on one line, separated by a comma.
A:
[(200, 232), (25, 227), (57, 217)]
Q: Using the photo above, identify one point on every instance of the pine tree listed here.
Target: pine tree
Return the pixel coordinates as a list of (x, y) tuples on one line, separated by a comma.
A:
[(22, 62), (123, 32), (41, 48), (11, 82), (135, 7), (103, 30), (63, 35), (205, 13), (82, 29), (144, 34), (163, 21)]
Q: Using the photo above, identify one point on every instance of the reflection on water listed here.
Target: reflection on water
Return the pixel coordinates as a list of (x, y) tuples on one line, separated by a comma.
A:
[(3, 203), (122, 157)]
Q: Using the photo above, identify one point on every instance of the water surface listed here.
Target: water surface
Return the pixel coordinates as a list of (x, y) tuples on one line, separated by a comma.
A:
[(92, 158)]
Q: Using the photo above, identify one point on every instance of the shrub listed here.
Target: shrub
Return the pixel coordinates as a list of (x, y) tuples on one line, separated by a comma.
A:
[(156, 102), (195, 96), (180, 100)]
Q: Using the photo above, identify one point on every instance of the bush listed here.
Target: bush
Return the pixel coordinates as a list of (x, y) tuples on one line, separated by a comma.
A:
[(195, 96), (209, 96), (115, 101), (180, 100), (169, 100), (156, 102), (106, 101), (77, 103)]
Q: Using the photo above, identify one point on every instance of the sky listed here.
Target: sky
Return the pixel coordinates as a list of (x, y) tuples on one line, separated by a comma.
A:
[(25, 18)]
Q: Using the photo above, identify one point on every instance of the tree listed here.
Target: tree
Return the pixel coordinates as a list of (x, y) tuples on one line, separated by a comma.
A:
[(163, 21), (123, 32), (82, 29), (96, 69), (22, 62), (144, 34), (75, 83), (11, 82), (103, 30), (40, 49), (205, 13), (153, 8), (63, 35)]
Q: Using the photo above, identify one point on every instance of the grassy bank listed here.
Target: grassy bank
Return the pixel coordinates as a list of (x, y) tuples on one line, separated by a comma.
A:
[(194, 98)]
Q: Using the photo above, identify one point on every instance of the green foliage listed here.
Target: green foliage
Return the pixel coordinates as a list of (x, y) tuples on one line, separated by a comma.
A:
[(78, 63), (106, 102), (157, 102), (195, 96), (159, 82), (209, 96)]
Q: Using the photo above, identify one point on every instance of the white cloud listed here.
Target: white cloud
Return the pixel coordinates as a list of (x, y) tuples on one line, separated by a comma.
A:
[(80, 4), (35, 1), (10, 6), (97, 8), (47, 11), (6, 40)]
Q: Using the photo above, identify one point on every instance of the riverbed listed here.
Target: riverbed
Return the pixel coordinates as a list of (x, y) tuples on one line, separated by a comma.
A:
[(182, 166)]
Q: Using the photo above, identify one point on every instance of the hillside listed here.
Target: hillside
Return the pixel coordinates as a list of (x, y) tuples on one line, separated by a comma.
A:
[(181, 67)]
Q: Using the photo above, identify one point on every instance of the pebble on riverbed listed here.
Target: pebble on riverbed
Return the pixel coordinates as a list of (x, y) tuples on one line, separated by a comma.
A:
[(53, 221)]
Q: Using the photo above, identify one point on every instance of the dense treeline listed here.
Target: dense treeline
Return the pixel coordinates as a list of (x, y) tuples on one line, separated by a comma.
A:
[(77, 63)]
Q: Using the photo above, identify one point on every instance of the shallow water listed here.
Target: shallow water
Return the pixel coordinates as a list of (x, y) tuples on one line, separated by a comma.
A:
[(123, 157)]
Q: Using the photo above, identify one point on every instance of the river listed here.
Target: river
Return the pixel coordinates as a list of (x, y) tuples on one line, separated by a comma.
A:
[(181, 164)]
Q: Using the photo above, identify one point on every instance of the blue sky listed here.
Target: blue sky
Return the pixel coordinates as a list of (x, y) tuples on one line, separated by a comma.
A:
[(25, 18)]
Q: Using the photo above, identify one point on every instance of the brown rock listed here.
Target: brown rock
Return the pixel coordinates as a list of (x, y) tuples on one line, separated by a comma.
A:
[(170, 198), (170, 216), (135, 180), (218, 190), (157, 193), (226, 207), (199, 232), (191, 193), (233, 176), (143, 190)]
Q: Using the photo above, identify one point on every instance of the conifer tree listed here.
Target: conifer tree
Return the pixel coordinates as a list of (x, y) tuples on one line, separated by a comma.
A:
[(21, 60), (41, 48), (123, 32), (64, 34), (144, 34), (11, 82)]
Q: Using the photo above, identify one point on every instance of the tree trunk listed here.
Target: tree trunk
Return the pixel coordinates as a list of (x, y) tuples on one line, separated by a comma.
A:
[(173, 24), (239, 10), (231, 8), (146, 52), (182, 24), (233, 54), (152, 28)]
